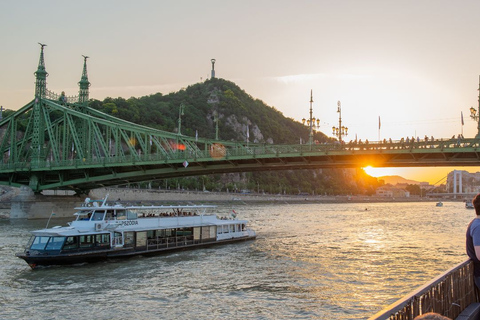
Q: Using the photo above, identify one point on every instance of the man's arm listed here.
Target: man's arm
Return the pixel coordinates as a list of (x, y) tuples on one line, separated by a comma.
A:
[(477, 252)]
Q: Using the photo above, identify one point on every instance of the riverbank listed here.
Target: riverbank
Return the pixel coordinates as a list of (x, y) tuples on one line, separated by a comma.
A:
[(159, 197), (152, 195)]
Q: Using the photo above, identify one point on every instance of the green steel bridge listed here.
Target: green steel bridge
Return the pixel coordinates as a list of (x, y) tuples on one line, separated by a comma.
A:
[(63, 144)]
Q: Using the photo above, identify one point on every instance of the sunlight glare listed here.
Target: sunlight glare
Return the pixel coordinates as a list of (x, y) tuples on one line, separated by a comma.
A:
[(377, 172)]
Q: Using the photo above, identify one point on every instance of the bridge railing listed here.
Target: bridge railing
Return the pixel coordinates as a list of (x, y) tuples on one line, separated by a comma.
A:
[(448, 294), (253, 150)]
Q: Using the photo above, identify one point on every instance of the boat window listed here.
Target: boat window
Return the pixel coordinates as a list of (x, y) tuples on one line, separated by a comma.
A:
[(150, 234), (208, 232), (184, 231), (213, 232), (128, 238), (83, 215), (86, 241), (55, 243), (110, 215), (71, 243), (117, 240), (121, 215), (141, 239), (39, 243), (98, 215), (196, 233), (102, 240), (131, 215)]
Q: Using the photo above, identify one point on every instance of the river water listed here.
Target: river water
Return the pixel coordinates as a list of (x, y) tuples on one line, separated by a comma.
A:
[(310, 261)]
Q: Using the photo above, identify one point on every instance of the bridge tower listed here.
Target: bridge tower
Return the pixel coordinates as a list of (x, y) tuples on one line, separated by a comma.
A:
[(84, 84), (41, 76), (459, 189), (38, 132)]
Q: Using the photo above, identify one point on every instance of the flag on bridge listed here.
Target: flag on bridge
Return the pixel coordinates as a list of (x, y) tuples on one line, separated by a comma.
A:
[(461, 114), (379, 123)]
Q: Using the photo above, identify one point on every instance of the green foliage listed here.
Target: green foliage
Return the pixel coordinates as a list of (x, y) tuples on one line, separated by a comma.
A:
[(414, 189)]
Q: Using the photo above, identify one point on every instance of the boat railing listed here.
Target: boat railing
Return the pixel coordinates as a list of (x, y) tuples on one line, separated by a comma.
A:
[(448, 294)]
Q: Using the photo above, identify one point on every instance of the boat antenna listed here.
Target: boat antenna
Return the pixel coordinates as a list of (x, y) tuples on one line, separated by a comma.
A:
[(105, 200), (51, 214)]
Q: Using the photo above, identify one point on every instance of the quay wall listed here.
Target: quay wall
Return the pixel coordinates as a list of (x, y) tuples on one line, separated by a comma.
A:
[(27, 205)]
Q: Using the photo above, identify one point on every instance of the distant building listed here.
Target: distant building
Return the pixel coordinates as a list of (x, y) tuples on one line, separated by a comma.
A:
[(461, 181), (392, 192)]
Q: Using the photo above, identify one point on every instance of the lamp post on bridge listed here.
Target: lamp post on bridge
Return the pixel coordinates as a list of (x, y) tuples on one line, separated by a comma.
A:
[(311, 122), (180, 114), (473, 112), (340, 130), (215, 119)]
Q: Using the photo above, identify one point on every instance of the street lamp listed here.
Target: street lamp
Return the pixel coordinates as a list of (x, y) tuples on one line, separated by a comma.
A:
[(312, 122), (180, 114), (340, 130), (215, 119), (473, 113)]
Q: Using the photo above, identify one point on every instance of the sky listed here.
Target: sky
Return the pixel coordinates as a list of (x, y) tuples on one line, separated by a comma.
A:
[(413, 64)]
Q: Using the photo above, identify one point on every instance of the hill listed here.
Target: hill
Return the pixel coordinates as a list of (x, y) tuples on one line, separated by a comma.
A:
[(240, 117), (393, 180)]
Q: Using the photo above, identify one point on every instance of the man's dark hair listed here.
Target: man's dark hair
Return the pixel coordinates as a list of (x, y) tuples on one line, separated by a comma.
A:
[(476, 204)]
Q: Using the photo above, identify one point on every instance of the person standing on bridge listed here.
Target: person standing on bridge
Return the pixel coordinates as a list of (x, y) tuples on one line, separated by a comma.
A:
[(473, 240)]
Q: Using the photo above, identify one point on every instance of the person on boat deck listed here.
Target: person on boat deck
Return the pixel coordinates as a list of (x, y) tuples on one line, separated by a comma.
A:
[(473, 240)]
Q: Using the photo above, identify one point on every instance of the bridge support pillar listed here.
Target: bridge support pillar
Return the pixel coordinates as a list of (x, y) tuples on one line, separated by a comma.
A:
[(454, 184), (457, 188), (28, 205)]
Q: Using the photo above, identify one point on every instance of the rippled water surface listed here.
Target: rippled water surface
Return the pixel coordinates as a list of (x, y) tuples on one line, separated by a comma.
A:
[(310, 261)]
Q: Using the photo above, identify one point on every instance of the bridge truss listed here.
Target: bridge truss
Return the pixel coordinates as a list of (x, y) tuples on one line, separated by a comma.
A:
[(58, 142)]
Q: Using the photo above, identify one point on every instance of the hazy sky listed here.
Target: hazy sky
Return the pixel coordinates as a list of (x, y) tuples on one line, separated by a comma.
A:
[(414, 64)]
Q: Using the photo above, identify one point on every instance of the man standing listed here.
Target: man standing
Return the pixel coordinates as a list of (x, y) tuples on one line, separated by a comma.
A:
[(473, 240)]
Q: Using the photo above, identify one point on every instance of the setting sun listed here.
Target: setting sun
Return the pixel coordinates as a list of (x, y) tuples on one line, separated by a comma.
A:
[(377, 172)]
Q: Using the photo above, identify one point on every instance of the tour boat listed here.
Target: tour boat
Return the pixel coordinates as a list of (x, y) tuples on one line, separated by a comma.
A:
[(104, 231)]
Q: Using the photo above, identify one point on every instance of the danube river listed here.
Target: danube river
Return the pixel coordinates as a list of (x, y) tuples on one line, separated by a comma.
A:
[(310, 261)]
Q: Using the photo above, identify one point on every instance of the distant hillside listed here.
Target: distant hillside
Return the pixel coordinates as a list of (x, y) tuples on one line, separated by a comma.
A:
[(393, 180)]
